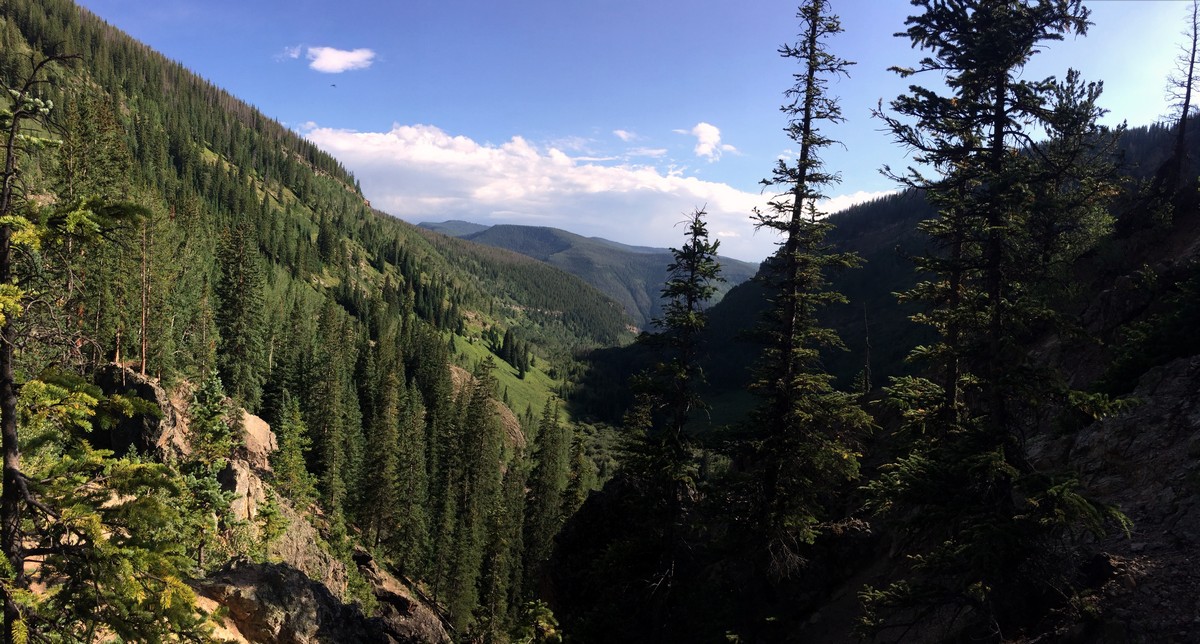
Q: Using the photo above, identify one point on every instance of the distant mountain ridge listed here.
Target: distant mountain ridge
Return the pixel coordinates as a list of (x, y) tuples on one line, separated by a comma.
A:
[(632, 275)]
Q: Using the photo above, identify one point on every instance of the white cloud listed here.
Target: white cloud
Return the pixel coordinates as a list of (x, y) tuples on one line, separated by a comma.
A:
[(330, 60), (422, 173), (647, 152), (708, 141), (625, 135), (842, 202), (289, 53)]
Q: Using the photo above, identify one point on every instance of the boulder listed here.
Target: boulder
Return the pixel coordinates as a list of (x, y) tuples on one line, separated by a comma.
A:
[(277, 603)]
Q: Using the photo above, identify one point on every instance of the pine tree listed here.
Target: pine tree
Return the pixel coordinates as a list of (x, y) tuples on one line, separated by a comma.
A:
[(547, 481), (292, 478), (806, 428), (477, 487), (1179, 91), (987, 528), (691, 283), (239, 317), (410, 541), (381, 499)]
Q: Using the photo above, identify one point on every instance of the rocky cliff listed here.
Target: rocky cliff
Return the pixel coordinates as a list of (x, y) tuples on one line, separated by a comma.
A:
[(299, 597)]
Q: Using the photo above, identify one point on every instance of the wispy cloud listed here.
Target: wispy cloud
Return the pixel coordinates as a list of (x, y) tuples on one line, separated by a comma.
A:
[(647, 152), (625, 135), (420, 172), (289, 53)]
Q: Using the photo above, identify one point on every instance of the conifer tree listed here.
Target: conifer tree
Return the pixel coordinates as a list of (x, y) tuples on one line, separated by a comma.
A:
[(806, 429), (239, 317), (981, 522), (477, 486), (382, 497), (1179, 91), (292, 478), (501, 576), (691, 283), (410, 540), (547, 482)]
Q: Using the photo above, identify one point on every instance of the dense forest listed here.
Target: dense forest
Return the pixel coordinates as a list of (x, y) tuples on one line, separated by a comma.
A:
[(219, 363)]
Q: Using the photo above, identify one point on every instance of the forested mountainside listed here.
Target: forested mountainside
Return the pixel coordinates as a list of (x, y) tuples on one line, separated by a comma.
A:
[(631, 275), (218, 262), (239, 404)]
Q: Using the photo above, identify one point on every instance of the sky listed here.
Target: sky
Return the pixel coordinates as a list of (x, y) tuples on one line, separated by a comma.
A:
[(612, 118)]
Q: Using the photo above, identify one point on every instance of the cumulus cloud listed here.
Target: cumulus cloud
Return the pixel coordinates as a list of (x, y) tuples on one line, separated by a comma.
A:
[(330, 60), (708, 141), (422, 173)]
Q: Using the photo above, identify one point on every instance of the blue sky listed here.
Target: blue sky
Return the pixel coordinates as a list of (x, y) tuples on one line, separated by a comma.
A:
[(612, 118)]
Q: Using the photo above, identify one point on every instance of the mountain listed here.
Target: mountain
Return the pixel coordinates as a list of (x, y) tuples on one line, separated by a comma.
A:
[(632, 275), (233, 385), (338, 378)]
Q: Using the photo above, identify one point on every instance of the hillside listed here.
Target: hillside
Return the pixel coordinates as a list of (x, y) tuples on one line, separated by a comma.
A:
[(213, 255), (631, 275), (237, 402)]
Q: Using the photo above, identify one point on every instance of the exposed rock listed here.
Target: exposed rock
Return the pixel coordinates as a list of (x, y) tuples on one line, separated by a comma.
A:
[(404, 615), (277, 603), (1144, 462), (258, 442), (161, 435), (250, 490), (299, 547)]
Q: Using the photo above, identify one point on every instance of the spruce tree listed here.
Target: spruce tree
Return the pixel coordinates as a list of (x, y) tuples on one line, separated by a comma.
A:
[(239, 316), (547, 482), (409, 543), (292, 478), (805, 430), (381, 498), (983, 526), (691, 283)]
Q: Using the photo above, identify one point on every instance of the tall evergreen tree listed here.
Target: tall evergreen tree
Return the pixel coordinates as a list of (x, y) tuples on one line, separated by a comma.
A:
[(805, 428), (477, 487), (547, 481), (410, 541), (984, 526), (239, 316), (292, 478), (381, 499)]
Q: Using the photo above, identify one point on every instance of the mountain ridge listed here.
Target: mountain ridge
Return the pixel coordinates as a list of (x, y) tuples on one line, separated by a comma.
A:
[(632, 275)]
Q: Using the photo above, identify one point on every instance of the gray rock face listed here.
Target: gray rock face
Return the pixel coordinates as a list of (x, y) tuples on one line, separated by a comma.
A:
[(1146, 462), (404, 615), (277, 603)]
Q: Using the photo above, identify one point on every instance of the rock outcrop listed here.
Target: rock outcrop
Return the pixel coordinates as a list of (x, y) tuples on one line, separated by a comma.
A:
[(279, 604), (403, 614), (1146, 462), (299, 600)]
